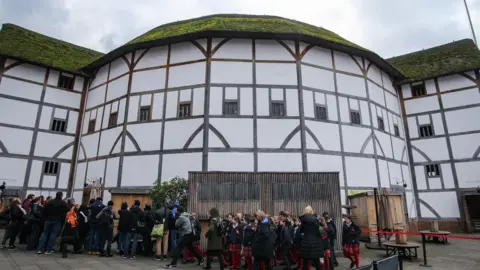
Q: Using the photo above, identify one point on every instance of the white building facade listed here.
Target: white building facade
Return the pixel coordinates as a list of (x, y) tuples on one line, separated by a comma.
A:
[(242, 103)]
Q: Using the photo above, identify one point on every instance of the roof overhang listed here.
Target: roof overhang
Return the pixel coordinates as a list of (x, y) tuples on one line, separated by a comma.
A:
[(75, 72), (373, 57)]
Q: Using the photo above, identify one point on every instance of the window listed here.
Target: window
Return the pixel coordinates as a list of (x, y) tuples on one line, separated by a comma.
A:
[(112, 120), (66, 81), (426, 131), (144, 113), (320, 112), (91, 126), (433, 170), (355, 117), (381, 124), (419, 90), (59, 125), (396, 130), (184, 110), (277, 109), (230, 107), (50, 167)]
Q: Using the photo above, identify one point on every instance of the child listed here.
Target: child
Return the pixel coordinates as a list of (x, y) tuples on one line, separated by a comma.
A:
[(247, 239), (351, 244), (285, 241), (297, 237), (235, 241)]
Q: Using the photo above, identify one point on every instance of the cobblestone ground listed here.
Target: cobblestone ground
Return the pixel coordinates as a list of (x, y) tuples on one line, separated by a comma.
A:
[(459, 254)]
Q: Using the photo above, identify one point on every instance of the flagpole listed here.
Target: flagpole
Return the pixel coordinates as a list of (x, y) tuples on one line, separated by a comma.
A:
[(470, 21)]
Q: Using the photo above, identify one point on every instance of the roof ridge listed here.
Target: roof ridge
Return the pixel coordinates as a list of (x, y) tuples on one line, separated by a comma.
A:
[(56, 39), (432, 48)]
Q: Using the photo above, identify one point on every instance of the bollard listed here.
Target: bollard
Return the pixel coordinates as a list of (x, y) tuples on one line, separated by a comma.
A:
[(424, 252)]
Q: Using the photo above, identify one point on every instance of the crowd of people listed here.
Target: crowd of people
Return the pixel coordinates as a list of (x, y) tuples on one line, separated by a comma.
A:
[(262, 241)]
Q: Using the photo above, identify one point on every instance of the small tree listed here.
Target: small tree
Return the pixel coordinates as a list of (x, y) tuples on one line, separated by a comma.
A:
[(170, 191)]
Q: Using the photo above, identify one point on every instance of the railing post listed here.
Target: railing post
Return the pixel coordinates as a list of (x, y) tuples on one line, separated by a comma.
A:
[(424, 252)]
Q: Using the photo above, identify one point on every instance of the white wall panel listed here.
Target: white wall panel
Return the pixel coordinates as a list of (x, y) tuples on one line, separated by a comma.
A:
[(457, 121), (78, 84), (49, 144), (63, 177), (318, 56), (230, 162), (174, 165), (412, 127), (447, 207), (235, 49), (111, 175), (455, 81), (276, 74), (430, 86), (178, 132), (308, 106), (148, 80), (156, 56), (49, 181), (385, 144), (172, 104), (80, 175), (35, 173), (325, 163), (384, 175), (185, 51), (461, 98), (29, 72), (344, 112), (263, 103), (271, 50), (108, 139), (420, 105), (435, 148), (351, 85), (420, 177), (157, 109), (365, 114), (101, 76), (17, 141), (392, 102), (438, 124), (292, 102), (398, 146), (447, 175), (326, 133), (187, 75), (395, 172), (216, 100), (46, 117), (90, 142), (246, 101), (237, 132), (133, 109), (332, 107), (464, 146), (345, 63), (64, 98), (20, 89), (53, 77), (117, 88), (147, 135), (198, 104), (96, 96), (279, 162), (467, 173), (119, 67), (406, 91), (272, 133), (72, 122), (374, 73), (361, 172), (354, 137), (96, 169), (376, 94), (13, 169), (140, 171), (317, 78)]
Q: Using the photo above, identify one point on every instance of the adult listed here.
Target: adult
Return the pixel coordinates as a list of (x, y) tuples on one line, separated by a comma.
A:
[(54, 214), (70, 229), (311, 246), (95, 230), (161, 240), (123, 227), (214, 239), (134, 222), (263, 243), (105, 222), (351, 244), (83, 226), (36, 222), (26, 228), (146, 231), (172, 230), (186, 235), (17, 215), (332, 236)]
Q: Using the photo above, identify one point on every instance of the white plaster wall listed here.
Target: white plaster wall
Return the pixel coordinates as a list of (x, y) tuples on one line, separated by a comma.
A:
[(20, 89), (420, 105), (291, 96), (438, 124), (392, 102), (117, 88), (148, 80), (237, 132), (447, 175), (80, 175), (412, 127), (64, 98), (447, 207), (385, 143), (351, 85), (279, 162), (376, 94), (96, 169), (107, 139), (364, 113), (49, 181), (462, 120), (308, 106), (263, 104), (140, 170), (180, 164), (234, 49), (467, 174), (246, 101), (325, 163), (185, 51), (317, 78), (464, 146), (420, 177), (216, 101), (190, 74), (272, 133), (344, 62), (25, 113), (374, 73), (48, 144), (318, 56), (411, 207), (233, 162), (78, 84), (461, 98), (147, 135), (132, 110), (344, 112), (35, 173), (13, 169), (406, 91), (271, 50), (111, 173), (45, 118), (430, 86), (17, 141), (101, 76), (96, 97), (455, 81), (29, 72), (63, 177), (72, 122), (435, 148), (354, 137), (326, 133), (276, 74), (231, 72), (53, 77), (361, 172), (178, 132), (119, 67), (395, 173), (383, 170), (198, 104), (156, 56), (157, 109), (398, 146)]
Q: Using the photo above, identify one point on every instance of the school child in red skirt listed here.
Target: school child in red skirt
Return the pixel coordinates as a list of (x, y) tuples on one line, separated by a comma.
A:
[(297, 237), (235, 247), (247, 239), (326, 244), (351, 244), (285, 241)]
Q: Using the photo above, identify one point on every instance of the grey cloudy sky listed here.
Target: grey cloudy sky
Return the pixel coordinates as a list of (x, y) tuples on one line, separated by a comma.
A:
[(388, 27)]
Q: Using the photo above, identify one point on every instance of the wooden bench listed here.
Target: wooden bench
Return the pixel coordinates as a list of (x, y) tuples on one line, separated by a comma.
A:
[(439, 238), (406, 251)]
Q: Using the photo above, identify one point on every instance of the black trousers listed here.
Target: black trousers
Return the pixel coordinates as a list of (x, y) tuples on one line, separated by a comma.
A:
[(147, 241), (185, 241), (332, 250), (217, 254), (315, 263), (13, 231), (34, 237), (106, 237), (286, 257), (258, 261)]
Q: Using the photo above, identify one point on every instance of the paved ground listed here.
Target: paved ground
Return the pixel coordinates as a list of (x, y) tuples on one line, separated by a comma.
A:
[(459, 254)]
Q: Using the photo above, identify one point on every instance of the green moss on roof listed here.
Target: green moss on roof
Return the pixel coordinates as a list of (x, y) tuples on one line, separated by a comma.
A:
[(446, 59), (240, 23), (30, 46)]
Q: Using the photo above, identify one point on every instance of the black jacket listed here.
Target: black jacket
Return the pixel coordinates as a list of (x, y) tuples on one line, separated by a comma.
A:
[(332, 230), (286, 237), (297, 236), (134, 217), (350, 234), (16, 214), (123, 221), (264, 239), (35, 217), (55, 210), (95, 208), (311, 245), (248, 235), (170, 220)]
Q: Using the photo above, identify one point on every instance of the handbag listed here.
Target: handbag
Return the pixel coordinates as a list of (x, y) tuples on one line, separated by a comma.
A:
[(157, 230)]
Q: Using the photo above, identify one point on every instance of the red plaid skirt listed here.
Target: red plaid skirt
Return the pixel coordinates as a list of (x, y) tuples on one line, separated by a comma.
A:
[(235, 248), (351, 249), (247, 251)]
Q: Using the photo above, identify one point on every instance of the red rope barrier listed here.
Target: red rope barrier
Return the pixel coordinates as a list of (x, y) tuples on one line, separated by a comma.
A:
[(426, 234)]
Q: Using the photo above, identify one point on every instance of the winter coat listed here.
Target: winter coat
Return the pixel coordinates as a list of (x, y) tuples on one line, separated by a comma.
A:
[(83, 226), (55, 210), (264, 239), (297, 236), (332, 229), (35, 217), (134, 217), (214, 240), (234, 236), (95, 208), (17, 214), (183, 224), (285, 237), (123, 220), (311, 245), (197, 227), (248, 235), (351, 233), (170, 220)]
